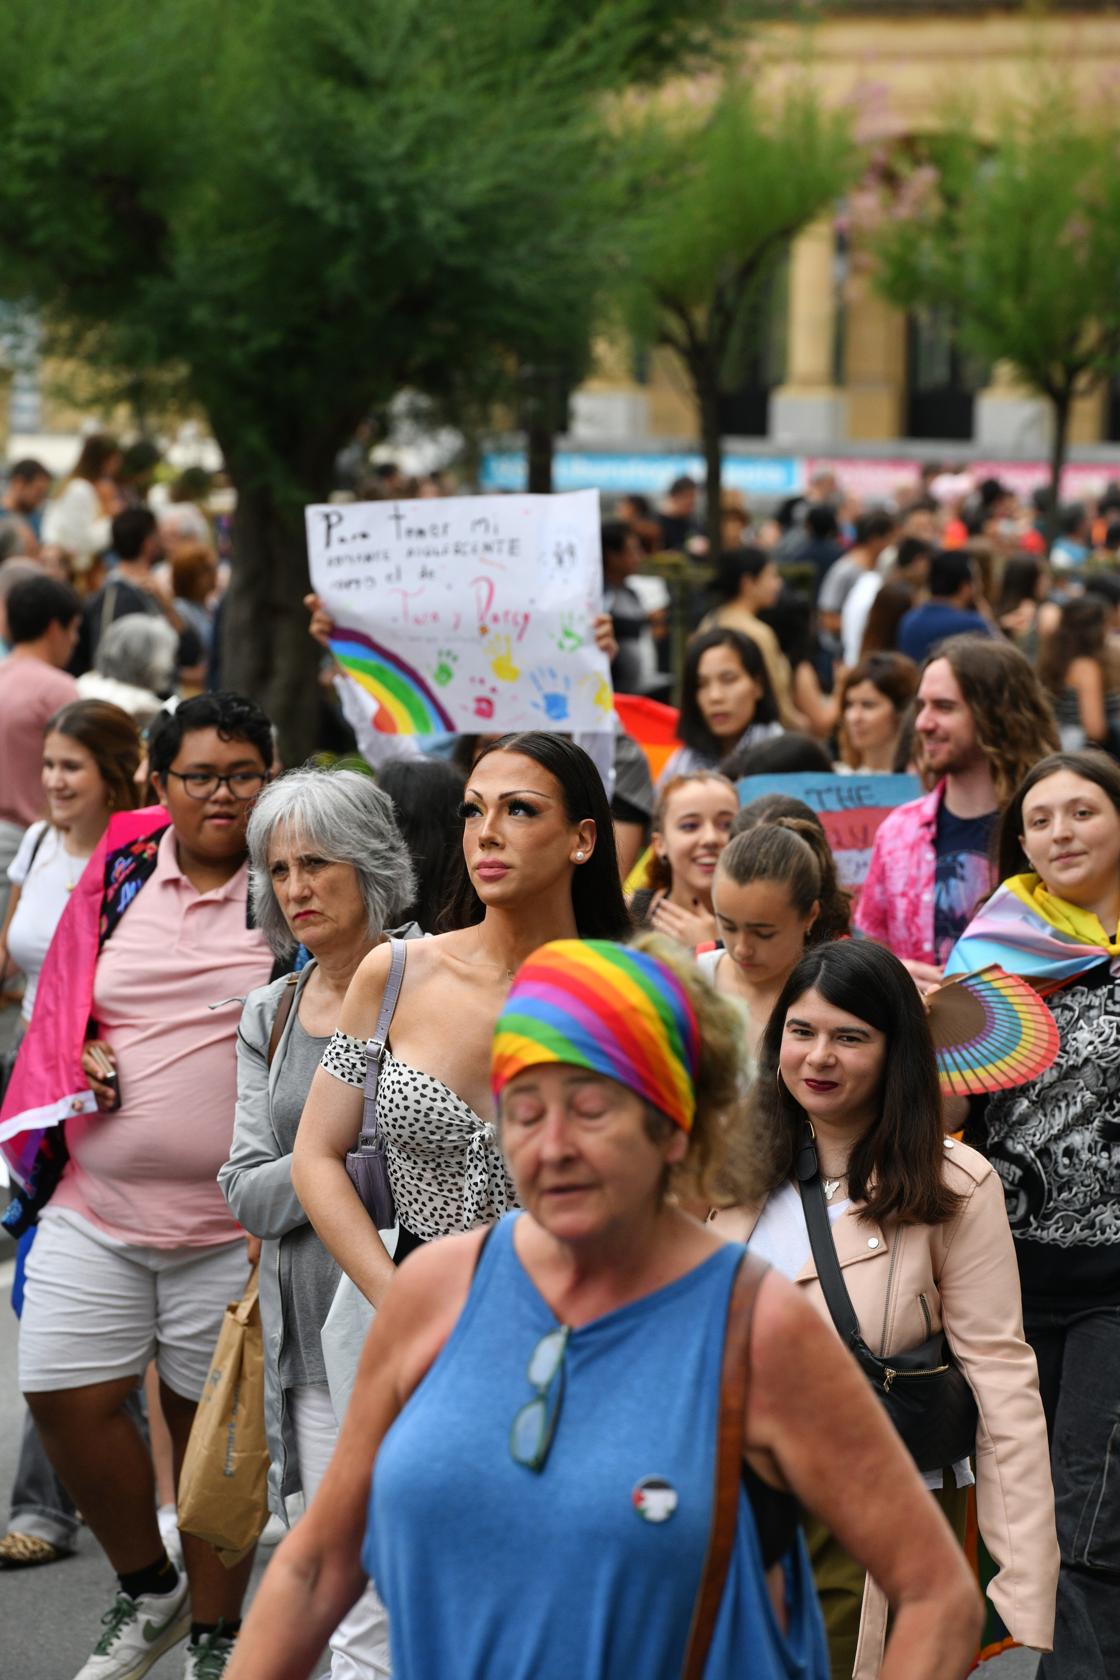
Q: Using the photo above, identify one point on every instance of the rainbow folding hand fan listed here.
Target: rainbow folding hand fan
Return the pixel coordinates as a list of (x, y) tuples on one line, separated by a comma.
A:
[(991, 1031)]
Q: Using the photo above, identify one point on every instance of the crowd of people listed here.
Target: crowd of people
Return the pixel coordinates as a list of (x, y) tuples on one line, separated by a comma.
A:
[(572, 1118)]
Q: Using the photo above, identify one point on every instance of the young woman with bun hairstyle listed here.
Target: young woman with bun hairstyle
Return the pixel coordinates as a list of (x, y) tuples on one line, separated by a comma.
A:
[(775, 895)]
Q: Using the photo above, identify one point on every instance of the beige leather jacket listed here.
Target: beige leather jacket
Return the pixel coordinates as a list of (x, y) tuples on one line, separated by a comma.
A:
[(906, 1281)]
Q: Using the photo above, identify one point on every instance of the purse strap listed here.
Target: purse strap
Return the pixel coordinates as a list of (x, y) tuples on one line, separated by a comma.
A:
[(280, 1019), (733, 1386), (375, 1046), (822, 1242)]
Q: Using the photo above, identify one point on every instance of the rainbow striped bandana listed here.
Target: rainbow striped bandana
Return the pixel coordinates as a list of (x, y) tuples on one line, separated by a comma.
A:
[(588, 1003)]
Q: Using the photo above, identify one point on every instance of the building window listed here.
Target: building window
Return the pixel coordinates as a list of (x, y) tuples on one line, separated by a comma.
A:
[(941, 380)]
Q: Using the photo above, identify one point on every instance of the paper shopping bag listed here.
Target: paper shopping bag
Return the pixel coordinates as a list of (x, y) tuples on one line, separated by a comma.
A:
[(223, 1490)]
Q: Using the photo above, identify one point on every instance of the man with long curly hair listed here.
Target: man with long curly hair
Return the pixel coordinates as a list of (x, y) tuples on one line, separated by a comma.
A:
[(982, 719)]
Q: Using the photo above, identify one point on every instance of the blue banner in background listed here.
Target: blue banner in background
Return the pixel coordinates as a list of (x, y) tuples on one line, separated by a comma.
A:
[(649, 475)]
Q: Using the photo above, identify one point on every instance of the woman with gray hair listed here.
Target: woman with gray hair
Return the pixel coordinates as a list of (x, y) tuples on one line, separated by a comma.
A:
[(331, 872), (134, 666)]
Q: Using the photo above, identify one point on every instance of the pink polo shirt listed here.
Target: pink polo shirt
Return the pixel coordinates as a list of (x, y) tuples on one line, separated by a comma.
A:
[(31, 692), (167, 996)]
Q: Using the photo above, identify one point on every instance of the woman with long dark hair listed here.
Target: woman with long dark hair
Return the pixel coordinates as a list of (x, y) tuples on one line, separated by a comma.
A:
[(1055, 1143), (1080, 671), (538, 862), (1024, 612), (427, 794), (847, 1073), (726, 702)]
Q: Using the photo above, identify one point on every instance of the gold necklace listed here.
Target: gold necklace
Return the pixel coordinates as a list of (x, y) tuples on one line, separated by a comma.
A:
[(488, 962), (70, 885)]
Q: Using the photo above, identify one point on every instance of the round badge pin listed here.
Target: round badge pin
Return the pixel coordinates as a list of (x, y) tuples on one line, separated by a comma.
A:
[(654, 1499)]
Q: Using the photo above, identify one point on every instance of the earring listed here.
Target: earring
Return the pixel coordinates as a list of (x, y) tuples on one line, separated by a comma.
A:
[(579, 857)]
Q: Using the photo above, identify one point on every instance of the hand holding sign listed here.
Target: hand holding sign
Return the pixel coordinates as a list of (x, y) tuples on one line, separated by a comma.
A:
[(450, 613)]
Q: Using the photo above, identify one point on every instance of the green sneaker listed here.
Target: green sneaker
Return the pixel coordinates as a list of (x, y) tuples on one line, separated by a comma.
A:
[(137, 1633)]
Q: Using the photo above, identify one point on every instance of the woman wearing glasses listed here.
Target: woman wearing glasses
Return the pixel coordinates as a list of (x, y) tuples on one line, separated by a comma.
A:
[(132, 1044), (538, 1407)]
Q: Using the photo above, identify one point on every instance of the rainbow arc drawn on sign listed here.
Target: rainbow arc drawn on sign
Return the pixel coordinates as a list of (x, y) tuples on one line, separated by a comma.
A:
[(405, 704)]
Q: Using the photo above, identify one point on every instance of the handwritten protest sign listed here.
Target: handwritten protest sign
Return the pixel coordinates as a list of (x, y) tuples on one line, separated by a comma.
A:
[(850, 808), (468, 613)]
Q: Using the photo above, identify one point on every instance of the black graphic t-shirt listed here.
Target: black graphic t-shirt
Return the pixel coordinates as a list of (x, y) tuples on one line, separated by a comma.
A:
[(963, 874), (1055, 1143)]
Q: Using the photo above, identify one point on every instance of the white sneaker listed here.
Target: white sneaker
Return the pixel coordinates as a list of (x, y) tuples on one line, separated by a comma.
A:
[(207, 1660), (137, 1633)]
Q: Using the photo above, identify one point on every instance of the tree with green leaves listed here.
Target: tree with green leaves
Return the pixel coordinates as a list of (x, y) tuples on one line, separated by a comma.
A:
[(1016, 240), (284, 213), (726, 186)]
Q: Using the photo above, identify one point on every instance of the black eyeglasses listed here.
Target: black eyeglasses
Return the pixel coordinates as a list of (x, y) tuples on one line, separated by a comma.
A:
[(200, 784), (530, 1436)]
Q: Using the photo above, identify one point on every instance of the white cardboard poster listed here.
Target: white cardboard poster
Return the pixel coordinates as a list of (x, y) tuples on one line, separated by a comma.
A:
[(469, 614)]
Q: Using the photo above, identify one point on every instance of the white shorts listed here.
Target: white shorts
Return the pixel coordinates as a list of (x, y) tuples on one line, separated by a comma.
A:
[(96, 1310)]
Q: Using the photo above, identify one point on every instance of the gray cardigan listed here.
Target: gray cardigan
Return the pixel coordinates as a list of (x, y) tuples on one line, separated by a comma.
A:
[(257, 1183)]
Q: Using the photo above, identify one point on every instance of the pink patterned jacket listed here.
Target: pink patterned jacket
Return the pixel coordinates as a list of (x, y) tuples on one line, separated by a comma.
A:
[(896, 903)]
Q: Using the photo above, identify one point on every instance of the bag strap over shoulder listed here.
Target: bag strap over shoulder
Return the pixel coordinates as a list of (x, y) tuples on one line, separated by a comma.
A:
[(823, 1244), (734, 1383), (280, 1019), (375, 1046)]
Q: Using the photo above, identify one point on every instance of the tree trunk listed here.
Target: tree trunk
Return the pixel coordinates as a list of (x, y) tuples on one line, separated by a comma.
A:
[(707, 396), (539, 449), (266, 650), (1061, 405)]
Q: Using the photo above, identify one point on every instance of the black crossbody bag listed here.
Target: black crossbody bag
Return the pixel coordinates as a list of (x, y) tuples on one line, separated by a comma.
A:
[(924, 1391)]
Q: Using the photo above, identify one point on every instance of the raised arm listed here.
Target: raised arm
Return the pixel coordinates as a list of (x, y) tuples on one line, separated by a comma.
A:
[(329, 1127), (810, 1411)]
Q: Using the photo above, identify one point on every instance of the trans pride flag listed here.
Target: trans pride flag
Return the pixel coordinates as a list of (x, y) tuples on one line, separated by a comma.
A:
[(1028, 931)]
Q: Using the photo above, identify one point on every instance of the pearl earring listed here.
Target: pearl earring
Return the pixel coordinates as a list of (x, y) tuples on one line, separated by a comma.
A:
[(579, 857)]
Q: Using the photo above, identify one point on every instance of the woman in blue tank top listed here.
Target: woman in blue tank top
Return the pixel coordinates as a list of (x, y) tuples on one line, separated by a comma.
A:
[(543, 1400)]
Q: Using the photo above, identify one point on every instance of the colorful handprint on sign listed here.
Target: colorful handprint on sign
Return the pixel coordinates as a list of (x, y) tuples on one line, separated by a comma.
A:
[(502, 661), (553, 695)]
